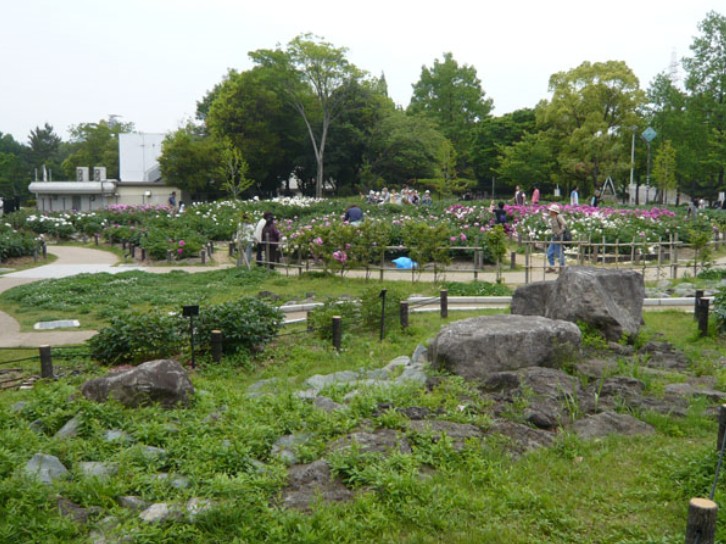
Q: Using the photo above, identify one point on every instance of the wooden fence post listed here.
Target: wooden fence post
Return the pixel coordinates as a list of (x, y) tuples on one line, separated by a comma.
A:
[(46, 362), (721, 426), (217, 345), (403, 313), (337, 332), (203, 255), (444, 298), (513, 260), (696, 302), (703, 316), (95, 238), (701, 526)]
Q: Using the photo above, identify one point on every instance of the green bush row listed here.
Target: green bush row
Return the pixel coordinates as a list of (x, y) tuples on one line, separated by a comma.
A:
[(246, 324)]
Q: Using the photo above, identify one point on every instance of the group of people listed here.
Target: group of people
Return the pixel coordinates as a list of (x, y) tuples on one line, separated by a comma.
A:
[(406, 196)]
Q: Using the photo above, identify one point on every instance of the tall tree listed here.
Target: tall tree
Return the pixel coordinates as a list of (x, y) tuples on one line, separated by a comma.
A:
[(317, 78), (664, 170), (404, 148), (191, 160), (591, 110), (706, 80), (248, 110), (14, 168), (95, 144), (453, 97)]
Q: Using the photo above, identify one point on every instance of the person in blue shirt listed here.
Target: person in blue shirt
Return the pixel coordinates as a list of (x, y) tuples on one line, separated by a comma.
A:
[(353, 215)]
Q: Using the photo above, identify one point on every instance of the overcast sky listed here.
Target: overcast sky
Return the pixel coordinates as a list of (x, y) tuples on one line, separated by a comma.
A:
[(66, 62)]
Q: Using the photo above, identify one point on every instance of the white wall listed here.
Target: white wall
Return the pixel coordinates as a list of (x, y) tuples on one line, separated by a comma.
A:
[(138, 155)]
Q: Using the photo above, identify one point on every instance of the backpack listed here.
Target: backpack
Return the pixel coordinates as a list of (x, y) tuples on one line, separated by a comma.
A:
[(566, 235)]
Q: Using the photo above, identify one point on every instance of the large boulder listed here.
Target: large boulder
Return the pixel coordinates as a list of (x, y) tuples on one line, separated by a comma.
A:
[(162, 381), (478, 347), (611, 301)]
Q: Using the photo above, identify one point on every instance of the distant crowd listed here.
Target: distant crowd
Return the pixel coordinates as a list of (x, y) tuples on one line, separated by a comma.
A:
[(407, 196)]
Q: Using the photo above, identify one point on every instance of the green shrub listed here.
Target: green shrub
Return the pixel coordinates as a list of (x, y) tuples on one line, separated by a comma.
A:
[(135, 338), (476, 289), (321, 318), (246, 324)]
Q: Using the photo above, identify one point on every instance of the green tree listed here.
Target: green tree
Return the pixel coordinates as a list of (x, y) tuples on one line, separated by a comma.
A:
[(316, 79), (404, 148), (247, 110), (530, 159), (452, 96), (664, 170), (14, 169), (233, 170), (706, 81), (95, 144), (591, 108), (191, 161)]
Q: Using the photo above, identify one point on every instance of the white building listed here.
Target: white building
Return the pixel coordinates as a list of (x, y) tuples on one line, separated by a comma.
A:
[(140, 182)]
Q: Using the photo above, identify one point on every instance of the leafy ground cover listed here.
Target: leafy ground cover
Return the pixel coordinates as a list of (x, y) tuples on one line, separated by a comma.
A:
[(96, 298), (619, 489)]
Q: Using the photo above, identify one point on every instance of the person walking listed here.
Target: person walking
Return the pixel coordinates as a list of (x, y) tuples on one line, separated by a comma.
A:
[(535, 195), (574, 197), (556, 250), (520, 197)]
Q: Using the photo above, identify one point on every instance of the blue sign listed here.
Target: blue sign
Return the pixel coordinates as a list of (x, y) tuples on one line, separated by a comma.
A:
[(649, 134)]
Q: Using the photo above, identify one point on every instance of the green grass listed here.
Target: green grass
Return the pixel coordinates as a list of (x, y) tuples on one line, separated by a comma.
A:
[(614, 490)]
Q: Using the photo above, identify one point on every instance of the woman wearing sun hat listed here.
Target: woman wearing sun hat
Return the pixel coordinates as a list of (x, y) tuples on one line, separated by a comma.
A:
[(556, 249)]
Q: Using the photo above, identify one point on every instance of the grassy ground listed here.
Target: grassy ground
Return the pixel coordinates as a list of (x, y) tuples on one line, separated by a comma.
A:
[(619, 489)]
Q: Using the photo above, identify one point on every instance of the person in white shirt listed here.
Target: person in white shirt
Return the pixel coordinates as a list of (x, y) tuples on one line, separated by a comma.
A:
[(574, 197)]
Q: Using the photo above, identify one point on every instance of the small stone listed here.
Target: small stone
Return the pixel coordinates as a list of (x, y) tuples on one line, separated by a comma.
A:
[(196, 506), (93, 469), (326, 404), (18, 406), (70, 429), (117, 435), (37, 426), (46, 468), (132, 502), (158, 512)]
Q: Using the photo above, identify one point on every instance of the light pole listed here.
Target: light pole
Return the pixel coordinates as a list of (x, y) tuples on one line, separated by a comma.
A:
[(632, 157)]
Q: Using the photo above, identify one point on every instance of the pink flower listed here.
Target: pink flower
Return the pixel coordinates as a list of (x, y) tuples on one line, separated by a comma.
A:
[(318, 241), (180, 251), (463, 237), (182, 243), (340, 256), (452, 239)]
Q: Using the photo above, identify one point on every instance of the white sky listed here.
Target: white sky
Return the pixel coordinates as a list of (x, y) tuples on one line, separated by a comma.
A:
[(74, 61)]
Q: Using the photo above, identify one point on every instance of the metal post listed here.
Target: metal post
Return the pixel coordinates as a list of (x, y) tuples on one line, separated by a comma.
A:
[(46, 362), (444, 298), (337, 332), (191, 338), (203, 255), (231, 249), (217, 345), (95, 238), (143, 253), (403, 313), (44, 248), (513, 260)]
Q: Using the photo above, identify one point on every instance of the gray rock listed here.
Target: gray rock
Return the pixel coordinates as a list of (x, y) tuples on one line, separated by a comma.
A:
[(379, 441), (162, 381), (117, 435), (609, 300), (285, 447), (70, 429), (478, 347), (689, 390), (607, 423), (196, 506), (420, 354), (94, 469), (311, 483), (319, 381), (412, 373), (69, 509), (37, 426), (18, 407), (307, 394), (46, 468), (132, 502), (326, 404), (396, 363), (160, 512), (152, 453), (458, 433), (521, 437)]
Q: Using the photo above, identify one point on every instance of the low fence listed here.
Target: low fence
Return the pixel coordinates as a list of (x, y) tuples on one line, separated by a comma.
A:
[(665, 258), (43, 364)]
